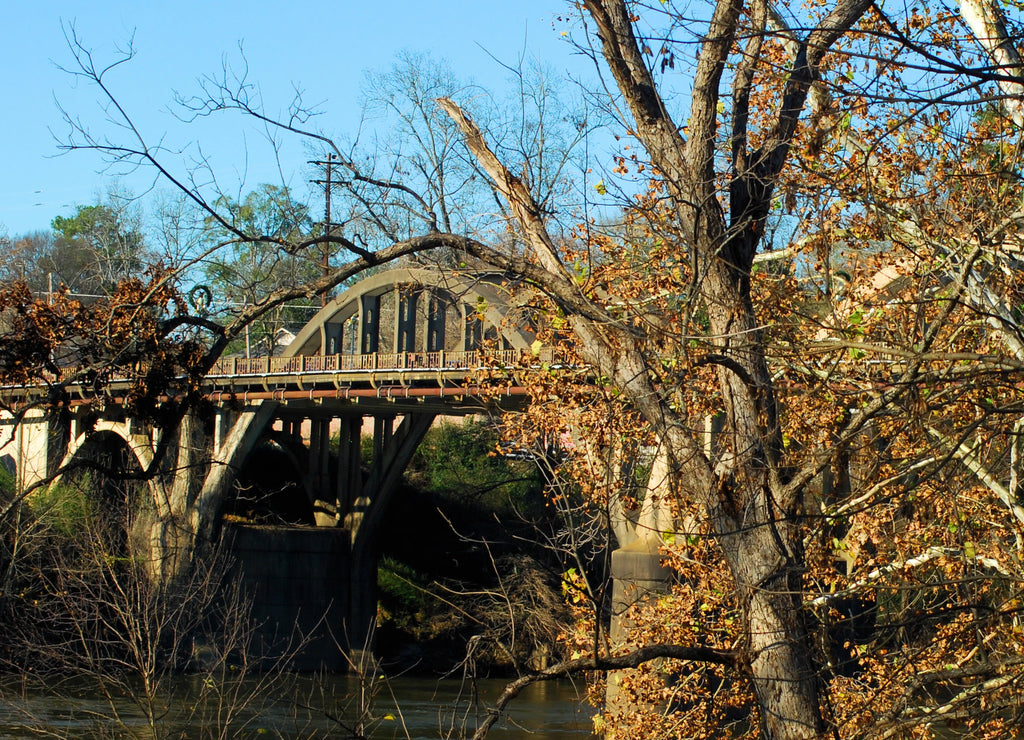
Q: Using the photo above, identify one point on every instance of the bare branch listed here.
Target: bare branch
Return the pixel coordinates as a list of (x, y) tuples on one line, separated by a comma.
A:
[(631, 659)]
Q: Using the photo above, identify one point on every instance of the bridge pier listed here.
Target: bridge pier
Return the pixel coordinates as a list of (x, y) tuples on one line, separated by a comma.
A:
[(385, 473), (31, 447), (350, 473), (298, 579), (325, 506), (344, 499), (637, 576), (637, 572)]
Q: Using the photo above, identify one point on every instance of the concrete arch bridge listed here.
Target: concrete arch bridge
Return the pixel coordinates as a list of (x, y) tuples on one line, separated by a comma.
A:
[(389, 354)]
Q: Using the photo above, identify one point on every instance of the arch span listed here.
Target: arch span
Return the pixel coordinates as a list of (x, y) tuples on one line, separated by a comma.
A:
[(108, 491), (141, 447), (414, 310), (406, 310)]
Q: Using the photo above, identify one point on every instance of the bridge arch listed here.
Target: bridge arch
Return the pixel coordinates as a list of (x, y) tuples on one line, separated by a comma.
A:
[(110, 491), (415, 310), (141, 447)]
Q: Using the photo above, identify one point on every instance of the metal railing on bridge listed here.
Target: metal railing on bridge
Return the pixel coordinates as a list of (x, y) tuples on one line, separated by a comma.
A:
[(442, 360), (446, 370)]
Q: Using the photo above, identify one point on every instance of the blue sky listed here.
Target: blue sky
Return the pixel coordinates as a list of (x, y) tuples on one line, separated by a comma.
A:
[(321, 47)]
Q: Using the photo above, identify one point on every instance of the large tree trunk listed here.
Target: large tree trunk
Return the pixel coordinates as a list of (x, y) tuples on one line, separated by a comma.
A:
[(753, 512), (754, 519), (172, 537), (781, 665)]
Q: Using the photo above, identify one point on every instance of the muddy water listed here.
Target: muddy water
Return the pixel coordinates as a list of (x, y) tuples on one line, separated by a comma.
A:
[(289, 707)]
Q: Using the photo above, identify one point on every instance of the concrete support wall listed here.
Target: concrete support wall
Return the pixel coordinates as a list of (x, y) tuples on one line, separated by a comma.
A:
[(350, 474), (28, 447), (637, 575), (325, 504), (224, 417), (299, 583)]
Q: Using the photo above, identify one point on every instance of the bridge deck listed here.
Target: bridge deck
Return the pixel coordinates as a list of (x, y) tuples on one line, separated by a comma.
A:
[(440, 377)]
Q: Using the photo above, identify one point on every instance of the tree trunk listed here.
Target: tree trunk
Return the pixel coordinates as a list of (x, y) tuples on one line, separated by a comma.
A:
[(172, 532), (781, 664)]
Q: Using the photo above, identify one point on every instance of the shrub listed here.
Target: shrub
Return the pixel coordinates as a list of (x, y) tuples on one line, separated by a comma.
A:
[(64, 507), (460, 462)]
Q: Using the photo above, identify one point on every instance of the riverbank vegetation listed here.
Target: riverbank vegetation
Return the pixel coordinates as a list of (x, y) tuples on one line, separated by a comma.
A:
[(461, 565), (463, 591)]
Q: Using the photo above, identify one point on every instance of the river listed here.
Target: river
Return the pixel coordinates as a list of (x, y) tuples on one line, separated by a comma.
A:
[(290, 707)]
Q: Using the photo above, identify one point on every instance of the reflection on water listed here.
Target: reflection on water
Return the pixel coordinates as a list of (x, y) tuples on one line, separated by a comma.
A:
[(292, 707), (544, 710)]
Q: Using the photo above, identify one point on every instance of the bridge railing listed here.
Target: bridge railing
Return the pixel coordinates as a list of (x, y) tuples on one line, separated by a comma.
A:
[(386, 362), (441, 360)]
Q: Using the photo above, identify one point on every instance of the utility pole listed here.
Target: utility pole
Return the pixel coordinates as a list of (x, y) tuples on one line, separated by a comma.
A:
[(328, 226)]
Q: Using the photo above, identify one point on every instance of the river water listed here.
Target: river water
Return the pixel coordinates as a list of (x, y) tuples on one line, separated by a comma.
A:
[(291, 707)]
